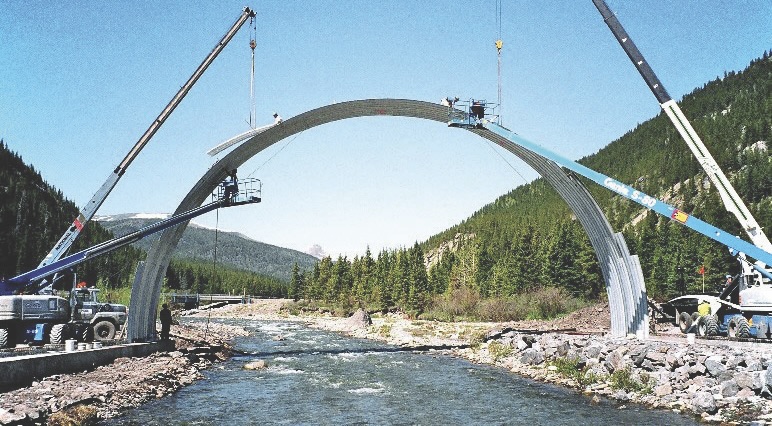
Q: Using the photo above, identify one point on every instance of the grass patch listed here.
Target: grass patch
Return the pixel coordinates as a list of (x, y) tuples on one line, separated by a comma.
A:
[(499, 351), (384, 330), (625, 380), (570, 368)]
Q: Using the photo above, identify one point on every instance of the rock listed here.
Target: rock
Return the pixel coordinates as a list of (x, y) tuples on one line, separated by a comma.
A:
[(767, 387), (753, 364), (522, 345), (593, 350), (620, 395), (697, 369), (563, 348), (256, 365), (663, 390), (531, 356), (703, 402), (748, 380), (359, 320), (715, 366), (615, 360), (729, 388), (745, 393), (656, 357)]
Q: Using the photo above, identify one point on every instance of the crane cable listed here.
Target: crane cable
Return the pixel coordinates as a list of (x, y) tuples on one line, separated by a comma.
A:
[(252, 105), (499, 45)]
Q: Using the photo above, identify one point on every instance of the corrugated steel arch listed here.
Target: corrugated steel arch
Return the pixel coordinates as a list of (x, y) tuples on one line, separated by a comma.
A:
[(621, 271)]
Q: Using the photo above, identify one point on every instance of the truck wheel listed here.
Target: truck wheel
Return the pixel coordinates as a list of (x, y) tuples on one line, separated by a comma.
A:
[(711, 325), (3, 337), (684, 322), (738, 327), (58, 334), (104, 330)]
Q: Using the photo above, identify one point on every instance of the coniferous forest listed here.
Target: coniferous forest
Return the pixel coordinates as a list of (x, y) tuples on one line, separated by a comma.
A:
[(521, 255)]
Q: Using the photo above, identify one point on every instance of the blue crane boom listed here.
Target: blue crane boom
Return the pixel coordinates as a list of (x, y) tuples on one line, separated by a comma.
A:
[(469, 120), (88, 211), (729, 196), (29, 282)]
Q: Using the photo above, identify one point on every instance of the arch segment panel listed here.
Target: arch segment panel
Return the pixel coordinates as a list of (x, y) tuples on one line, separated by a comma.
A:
[(621, 271)]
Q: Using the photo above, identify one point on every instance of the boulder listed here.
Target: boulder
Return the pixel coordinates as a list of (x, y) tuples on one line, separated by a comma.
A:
[(663, 390), (729, 388), (703, 402), (532, 356), (359, 320), (615, 360), (714, 365), (748, 380), (593, 350)]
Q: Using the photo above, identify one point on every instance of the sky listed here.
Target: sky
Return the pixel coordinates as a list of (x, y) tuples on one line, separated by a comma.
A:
[(81, 81)]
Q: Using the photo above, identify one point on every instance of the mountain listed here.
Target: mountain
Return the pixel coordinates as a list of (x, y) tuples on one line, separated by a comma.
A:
[(232, 248)]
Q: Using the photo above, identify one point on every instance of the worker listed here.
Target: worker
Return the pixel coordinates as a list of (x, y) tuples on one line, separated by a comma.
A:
[(166, 321), (703, 308), (277, 118), (231, 186)]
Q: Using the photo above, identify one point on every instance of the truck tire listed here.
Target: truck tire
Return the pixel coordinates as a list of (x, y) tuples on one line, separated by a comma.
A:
[(711, 325), (684, 322), (104, 330), (4, 337), (58, 334), (707, 326), (738, 327)]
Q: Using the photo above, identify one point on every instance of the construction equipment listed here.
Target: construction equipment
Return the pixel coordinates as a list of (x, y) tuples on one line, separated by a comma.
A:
[(29, 317), (729, 196), (88, 211), (748, 313), (749, 300)]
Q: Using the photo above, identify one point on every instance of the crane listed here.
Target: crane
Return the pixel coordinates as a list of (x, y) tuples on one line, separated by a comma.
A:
[(729, 196), (88, 211)]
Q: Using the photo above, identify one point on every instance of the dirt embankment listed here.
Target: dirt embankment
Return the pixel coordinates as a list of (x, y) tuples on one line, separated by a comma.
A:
[(104, 392)]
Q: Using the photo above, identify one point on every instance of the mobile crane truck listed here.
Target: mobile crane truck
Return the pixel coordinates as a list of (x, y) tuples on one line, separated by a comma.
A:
[(26, 317)]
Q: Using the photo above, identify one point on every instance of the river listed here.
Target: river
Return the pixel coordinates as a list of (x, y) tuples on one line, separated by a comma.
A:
[(318, 377)]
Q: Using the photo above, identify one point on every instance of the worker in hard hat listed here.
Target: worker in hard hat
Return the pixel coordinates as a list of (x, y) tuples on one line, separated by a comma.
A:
[(277, 118), (703, 308)]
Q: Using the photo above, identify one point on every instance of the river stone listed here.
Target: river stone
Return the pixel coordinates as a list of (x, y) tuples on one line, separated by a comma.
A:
[(697, 369), (729, 388), (532, 356), (753, 364), (714, 365), (256, 365), (522, 345), (703, 402), (767, 388), (655, 357)]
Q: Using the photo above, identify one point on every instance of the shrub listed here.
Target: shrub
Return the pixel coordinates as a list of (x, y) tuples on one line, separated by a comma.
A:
[(625, 380), (569, 368)]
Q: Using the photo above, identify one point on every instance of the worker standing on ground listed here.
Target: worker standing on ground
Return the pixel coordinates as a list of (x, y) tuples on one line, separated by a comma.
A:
[(166, 321)]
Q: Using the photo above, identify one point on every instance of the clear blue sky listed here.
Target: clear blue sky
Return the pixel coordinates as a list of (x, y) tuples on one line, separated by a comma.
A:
[(81, 81)]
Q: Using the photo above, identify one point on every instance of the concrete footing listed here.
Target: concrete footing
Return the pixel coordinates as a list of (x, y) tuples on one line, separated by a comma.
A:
[(21, 371)]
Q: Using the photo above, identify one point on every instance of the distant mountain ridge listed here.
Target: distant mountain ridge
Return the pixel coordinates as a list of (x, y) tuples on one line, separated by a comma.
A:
[(232, 248)]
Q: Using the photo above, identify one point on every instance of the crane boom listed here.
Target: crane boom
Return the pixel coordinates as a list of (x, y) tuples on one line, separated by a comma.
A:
[(88, 211), (468, 120), (729, 196)]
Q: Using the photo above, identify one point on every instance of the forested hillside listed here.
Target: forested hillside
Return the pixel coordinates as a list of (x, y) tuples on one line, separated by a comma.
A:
[(528, 240)]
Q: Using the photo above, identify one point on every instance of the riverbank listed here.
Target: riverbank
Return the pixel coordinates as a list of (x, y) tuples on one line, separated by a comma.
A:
[(716, 381), (83, 398), (719, 382)]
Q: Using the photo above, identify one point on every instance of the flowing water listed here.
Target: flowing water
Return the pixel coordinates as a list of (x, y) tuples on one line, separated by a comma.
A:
[(317, 377)]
